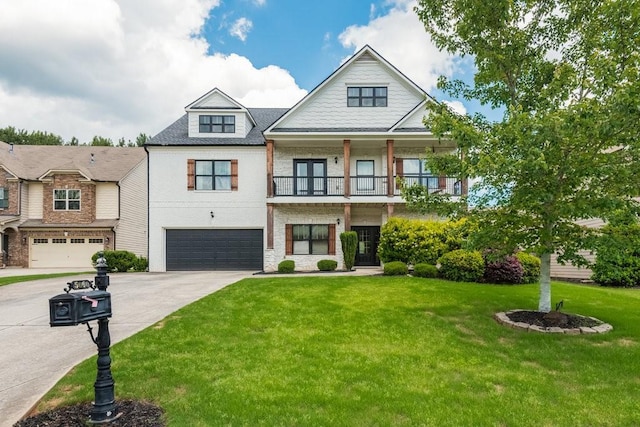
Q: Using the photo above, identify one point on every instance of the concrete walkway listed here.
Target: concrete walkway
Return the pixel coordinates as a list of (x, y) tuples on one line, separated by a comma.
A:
[(34, 356)]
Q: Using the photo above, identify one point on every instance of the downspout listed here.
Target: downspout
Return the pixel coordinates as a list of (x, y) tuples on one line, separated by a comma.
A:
[(148, 194)]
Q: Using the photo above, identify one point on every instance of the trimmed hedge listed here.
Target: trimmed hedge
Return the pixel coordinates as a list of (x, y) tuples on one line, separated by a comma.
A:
[(418, 241), (425, 270), (462, 266), (122, 261), (618, 255), (287, 266), (395, 268), (531, 265), (327, 265)]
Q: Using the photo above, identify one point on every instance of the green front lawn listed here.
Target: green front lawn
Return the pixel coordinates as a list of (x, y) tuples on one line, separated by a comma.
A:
[(8, 280), (361, 351)]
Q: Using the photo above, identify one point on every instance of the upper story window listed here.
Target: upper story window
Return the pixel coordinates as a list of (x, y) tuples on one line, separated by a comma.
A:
[(217, 124), (366, 96), (66, 200), (4, 197), (213, 175), (415, 172)]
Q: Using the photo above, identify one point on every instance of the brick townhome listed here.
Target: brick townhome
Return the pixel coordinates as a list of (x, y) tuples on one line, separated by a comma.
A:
[(61, 204)]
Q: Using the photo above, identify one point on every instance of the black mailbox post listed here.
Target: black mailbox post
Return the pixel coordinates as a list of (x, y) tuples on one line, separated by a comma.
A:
[(71, 309)]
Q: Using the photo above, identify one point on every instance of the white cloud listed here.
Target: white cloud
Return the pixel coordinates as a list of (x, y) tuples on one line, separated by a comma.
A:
[(259, 2), (116, 68), (456, 106), (401, 38), (241, 28)]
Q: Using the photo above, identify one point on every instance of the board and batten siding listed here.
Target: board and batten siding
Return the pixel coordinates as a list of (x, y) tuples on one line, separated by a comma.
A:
[(328, 108), (107, 200), (173, 206), (34, 206), (131, 232)]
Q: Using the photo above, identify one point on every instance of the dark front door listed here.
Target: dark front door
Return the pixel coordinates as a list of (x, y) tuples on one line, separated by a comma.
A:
[(368, 238)]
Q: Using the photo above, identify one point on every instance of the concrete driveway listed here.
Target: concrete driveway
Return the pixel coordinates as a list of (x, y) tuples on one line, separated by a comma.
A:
[(34, 356)]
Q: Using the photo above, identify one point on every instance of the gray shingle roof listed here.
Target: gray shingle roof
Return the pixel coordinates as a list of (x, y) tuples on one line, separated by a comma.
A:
[(110, 164), (178, 133)]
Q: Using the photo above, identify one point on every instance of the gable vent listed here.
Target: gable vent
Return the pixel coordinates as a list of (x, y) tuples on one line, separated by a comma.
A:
[(366, 57)]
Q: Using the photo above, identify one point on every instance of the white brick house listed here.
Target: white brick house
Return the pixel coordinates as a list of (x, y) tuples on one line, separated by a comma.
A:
[(240, 188)]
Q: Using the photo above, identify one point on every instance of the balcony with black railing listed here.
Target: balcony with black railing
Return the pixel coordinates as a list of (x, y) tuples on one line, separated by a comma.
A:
[(360, 185)]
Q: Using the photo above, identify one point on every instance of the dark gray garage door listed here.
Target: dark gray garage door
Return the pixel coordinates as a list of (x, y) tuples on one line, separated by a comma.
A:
[(214, 250)]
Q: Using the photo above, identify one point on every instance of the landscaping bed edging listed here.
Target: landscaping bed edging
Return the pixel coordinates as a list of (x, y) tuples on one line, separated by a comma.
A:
[(503, 319)]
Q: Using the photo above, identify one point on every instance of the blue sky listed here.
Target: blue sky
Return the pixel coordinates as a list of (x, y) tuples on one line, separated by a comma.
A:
[(116, 68)]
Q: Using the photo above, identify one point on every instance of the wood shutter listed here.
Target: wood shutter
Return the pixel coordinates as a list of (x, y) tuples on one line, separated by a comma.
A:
[(332, 239), (399, 172), (234, 175), (191, 174), (288, 233), (442, 182)]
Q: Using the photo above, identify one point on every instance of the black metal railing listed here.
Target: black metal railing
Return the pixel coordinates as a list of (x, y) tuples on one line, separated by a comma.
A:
[(359, 185)]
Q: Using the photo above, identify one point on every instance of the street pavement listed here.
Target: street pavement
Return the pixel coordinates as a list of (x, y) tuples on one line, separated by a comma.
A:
[(35, 356)]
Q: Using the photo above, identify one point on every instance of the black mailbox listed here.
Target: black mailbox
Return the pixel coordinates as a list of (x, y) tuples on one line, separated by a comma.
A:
[(71, 309)]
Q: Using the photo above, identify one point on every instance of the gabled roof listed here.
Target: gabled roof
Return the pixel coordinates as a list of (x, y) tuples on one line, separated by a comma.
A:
[(33, 162), (201, 103), (366, 52), (177, 134)]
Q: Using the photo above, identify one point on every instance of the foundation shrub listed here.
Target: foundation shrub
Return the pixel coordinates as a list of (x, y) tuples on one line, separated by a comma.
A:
[(420, 241), (531, 265), (462, 265), (618, 254), (327, 265), (395, 268), (425, 270), (349, 242), (120, 261), (287, 266)]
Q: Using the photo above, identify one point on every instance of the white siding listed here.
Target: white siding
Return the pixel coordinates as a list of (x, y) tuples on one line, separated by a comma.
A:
[(216, 100), (171, 205), (569, 271), (131, 232), (415, 120), (107, 200), (241, 125), (35, 200), (328, 107)]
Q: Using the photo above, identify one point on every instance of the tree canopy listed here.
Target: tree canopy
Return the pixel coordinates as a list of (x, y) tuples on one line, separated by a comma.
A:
[(566, 73), (11, 135)]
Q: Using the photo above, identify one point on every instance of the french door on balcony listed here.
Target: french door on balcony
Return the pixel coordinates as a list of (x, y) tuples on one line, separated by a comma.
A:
[(310, 177)]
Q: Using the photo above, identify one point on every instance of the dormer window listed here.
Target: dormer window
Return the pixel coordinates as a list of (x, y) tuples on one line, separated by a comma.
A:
[(366, 96), (217, 124)]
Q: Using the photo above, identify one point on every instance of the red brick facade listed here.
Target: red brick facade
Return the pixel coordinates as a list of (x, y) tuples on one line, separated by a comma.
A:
[(87, 212)]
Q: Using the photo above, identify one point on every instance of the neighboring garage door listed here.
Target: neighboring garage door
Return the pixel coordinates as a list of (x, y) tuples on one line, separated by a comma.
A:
[(214, 250), (64, 252)]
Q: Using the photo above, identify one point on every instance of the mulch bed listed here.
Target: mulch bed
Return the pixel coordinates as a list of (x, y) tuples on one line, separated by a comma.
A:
[(134, 414), (551, 319)]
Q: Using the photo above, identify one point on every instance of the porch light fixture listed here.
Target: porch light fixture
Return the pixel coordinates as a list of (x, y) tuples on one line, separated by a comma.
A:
[(211, 213), (106, 240), (338, 221), (24, 240), (335, 159)]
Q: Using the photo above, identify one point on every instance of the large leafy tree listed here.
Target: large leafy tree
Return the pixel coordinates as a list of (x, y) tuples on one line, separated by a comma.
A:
[(566, 73)]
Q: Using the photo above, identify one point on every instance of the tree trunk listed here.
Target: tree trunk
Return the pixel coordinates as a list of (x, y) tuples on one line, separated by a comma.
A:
[(544, 304)]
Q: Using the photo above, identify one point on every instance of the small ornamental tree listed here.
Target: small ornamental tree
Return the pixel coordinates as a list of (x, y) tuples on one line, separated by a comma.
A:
[(349, 242), (566, 74)]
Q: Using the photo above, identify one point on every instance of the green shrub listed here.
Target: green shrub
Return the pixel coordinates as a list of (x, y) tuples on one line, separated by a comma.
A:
[(141, 264), (425, 270), (286, 266), (117, 260), (395, 268), (327, 265), (462, 266), (349, 241), (618, 255), (531, 265), (418, 241)]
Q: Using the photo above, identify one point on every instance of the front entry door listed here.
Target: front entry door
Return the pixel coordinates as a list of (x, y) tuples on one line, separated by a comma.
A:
[(368, 238)]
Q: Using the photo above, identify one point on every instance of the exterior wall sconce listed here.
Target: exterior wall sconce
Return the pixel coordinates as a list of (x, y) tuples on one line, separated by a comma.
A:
[(335, 159), (106, 240), (338, 221), (211, 213), (24, 240)]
